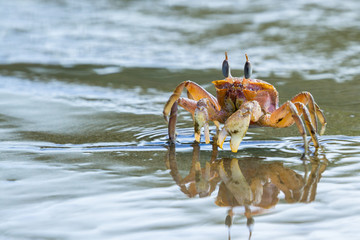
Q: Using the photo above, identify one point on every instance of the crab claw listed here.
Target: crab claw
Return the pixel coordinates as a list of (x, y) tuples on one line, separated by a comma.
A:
[(201, 119), (238, 123), (236, 126)]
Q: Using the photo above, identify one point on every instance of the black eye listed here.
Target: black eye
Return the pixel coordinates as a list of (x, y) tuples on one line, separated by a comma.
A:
[(226, 67), (247, 68)]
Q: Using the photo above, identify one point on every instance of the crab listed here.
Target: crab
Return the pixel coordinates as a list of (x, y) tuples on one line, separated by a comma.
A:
[(242, 102)]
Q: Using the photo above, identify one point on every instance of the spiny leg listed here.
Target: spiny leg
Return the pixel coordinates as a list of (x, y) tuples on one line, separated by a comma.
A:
[(304, 111), (307, 99), (299, 123), (314, 110), (315, 114), (321, 117), (311, 115), (238, 123)]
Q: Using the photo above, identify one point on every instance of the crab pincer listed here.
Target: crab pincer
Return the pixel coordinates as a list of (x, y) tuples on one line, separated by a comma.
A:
[(238, 123)]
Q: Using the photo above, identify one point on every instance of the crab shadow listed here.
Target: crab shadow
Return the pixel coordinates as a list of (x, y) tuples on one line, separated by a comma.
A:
[(247, 186)]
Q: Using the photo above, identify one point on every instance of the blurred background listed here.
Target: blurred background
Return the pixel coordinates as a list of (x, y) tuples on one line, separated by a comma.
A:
[(82, 138)]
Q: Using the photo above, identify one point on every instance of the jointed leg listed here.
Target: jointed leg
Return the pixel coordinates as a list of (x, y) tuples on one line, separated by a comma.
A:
[(285, 116), (197, 104), (199, 113), (201, 119), (289, 113), (321, 117), (195, 92), (314, 110), (172, 123), (304, 111), (307, 99)]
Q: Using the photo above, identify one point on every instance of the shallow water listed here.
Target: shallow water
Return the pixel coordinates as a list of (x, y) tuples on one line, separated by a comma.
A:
[(83, 142)]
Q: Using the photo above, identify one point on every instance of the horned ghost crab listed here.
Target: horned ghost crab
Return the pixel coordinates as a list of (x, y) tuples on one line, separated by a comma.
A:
[(242, 102)]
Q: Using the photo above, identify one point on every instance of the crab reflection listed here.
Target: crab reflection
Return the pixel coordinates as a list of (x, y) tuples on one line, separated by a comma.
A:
[(247, 183)]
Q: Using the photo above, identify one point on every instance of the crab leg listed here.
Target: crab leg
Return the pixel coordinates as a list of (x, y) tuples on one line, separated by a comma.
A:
[(237, 124), (281, 117), (199, 111), (299, 123), (173, 98), (201, 119), (286, 115), (195, 92), (189, 105), (197, 103), (315, 114), (307, 99), (172, 123), (321, 117), (308, 123), (314, 110)]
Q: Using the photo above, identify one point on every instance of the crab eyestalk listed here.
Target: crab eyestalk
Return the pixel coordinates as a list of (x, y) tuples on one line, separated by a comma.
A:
[(226, 67), (247, 68)]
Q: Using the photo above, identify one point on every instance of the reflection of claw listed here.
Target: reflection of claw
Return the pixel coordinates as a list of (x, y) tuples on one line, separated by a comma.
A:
[(201, 119), (202, 179)]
